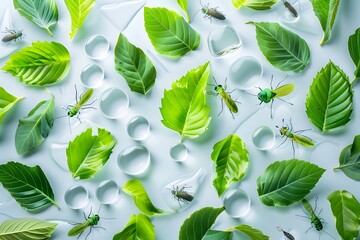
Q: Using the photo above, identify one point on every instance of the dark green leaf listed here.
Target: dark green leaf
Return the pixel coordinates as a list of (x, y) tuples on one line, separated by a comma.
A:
[(217, 235), (354, 50)]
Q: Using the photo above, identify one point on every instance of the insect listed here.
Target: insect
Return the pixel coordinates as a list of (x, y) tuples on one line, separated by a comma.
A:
[(181, 195), (269, 94), (12, 35), (90, 222), (210, 12), (287, 131), (225, 97), (286, 234), (316, 221), (291, 8), (74, 110)]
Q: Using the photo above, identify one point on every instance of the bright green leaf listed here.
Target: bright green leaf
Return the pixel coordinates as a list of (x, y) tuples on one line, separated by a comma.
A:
[(78, 9), (138, 228), (197, 225), (35, 127), (254, 4), (43, 13), (346, 210), (326, 11), (231, 161), (26, 228), (286, 182), (354, 50), (87, 153), (217, 235), (7, 102), (27, 185), (135, 189), (349, 160), (184, 5), (183, 107), (40, 64), (133, 64), (329, 101), (252, 233), (169, 33), (285, 50)]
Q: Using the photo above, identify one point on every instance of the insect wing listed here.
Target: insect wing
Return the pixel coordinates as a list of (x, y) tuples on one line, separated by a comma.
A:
[(284, 90), (78, 229), (186, 196), (288, 236), (230, 103), (304, 141), (8, 38), (86, 96), (216, 14)]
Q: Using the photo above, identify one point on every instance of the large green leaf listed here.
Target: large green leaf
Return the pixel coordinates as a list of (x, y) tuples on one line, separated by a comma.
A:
[(27, 185), (7, 102), (138, 228), (217, 235), (286, 182), (349, 160), (252, 233), (26, 228), (87, 153), (329, 101), (184, 5), (43, 13), (354, 50), (326, 11), (196, 226), (78, 9), (254, 4), (169, 33), (135, 189), (346, 210), (183, 107), (231, 161), (285, 50), (40, 64), (133, 64), (35, 127)]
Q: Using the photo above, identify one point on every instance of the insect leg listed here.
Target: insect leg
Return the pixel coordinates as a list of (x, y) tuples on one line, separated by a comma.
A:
[(232, 114), (212, 93), (222, 107), (89, 232), (309, 229), (226, 84), (91, 103), (282, 143), (292, 144), (271, 81), (282, 80), (271, 108), (286, 101), (99, 227), (316, 205), (329, 234), (301, 131), (85, 216), (80, 234), (78, 118), (76, 94)]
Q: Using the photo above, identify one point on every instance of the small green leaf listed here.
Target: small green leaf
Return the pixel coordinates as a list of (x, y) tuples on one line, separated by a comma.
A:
[(78, 9), (7, 102), (169, 33), (87, 154), (43, 13), (329, 101), (231, 161), (285, 50), (354, 50), (183, 107), (252, 233), (26, 228), (138, 228), (135, 189), (326, 11), (133, 64), (35, 127), (196, 226), (254, 4), (41, 64), (346, 210), (286, 182), (27, 185), (217, 235), (184, 5)]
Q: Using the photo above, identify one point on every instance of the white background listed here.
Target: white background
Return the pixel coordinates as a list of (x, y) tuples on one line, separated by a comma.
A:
[(163, 169)]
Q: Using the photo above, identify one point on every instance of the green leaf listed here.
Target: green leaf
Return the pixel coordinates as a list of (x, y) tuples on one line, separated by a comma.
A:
[(196, 226), (133, 64), (26, 228), (254, 4), (184, 5), (252, 233), (326, 11), (217, 235), (7, 102), (183, 107), (349, 160), (40, 64), (135, 189), (169, 33), (27, 185), (231, 161), (78, 9), (285, 50), (329, 101), (286, 182), (87, 153), (138, 228), (35, 127), (354, 50), (43, 13), (346, 210)]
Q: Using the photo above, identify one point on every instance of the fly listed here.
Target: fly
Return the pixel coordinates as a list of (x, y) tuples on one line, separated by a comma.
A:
[(181, 195), (291, 8), (286, 234), (12, 35)]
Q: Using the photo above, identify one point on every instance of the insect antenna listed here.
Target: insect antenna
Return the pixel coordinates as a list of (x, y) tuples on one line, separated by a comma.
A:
[(282, 81), (215, 81), (60, 117), (196, 13)]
